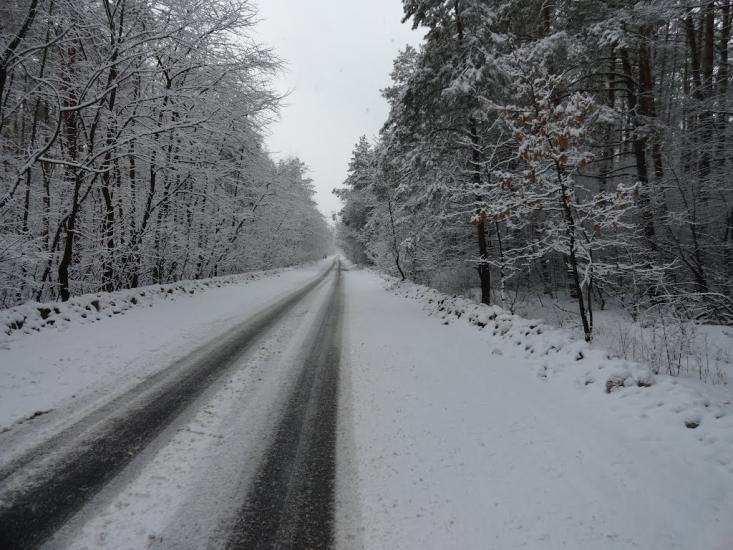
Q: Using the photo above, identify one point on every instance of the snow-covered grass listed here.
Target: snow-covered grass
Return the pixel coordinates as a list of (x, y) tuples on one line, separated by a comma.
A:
[(664, 340), (663, 337), (646, 387), (88, 308)]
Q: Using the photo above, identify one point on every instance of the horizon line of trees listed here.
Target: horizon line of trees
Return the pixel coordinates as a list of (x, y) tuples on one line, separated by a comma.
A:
[(572, 147), (132, 150)]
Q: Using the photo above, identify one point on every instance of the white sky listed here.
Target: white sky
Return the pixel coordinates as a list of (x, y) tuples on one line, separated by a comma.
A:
[(339, 55)]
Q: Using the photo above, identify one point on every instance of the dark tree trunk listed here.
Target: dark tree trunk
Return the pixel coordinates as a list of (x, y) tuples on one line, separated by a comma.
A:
[(108, 272), (639, 149), (484, 271), (573, 265), (706, 116), (73, 176), (395, 244), (68, 251), (12, 46)]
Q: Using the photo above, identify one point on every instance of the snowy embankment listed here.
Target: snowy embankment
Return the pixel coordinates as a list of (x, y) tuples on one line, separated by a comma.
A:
[(64, 358), (472, 428), (558, 355)]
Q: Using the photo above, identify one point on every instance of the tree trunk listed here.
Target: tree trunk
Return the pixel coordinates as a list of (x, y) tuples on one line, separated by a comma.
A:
[(573, 266), (639, 149), (706, 116), (395, 244), (108, 272), (70, 230), (73, 176), (10, 49), (483, 267)]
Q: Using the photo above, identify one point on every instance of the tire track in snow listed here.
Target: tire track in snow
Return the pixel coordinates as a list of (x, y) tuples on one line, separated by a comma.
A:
[(291, 501), (40, 490)]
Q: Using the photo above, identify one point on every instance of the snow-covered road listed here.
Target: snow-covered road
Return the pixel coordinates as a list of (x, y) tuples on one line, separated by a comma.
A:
[(260, 415), (49, 486)]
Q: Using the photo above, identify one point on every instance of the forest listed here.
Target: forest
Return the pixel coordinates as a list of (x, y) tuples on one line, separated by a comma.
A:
[(132, 149), (574, 149)]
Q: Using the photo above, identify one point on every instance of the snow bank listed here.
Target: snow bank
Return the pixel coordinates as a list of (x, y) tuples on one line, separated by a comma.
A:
[(681, 407), (88, 308)]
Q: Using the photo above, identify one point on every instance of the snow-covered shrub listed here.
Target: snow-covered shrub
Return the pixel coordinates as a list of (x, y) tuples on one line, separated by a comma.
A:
[(669, 344)]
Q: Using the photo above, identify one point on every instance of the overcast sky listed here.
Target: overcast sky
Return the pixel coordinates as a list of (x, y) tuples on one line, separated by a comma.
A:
[(339, 55)]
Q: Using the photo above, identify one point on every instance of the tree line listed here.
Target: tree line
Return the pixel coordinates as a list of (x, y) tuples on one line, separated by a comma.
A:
[(573, 147), (132, 149)]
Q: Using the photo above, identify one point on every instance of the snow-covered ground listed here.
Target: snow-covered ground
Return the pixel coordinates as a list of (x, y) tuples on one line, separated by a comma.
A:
[(465, 436), (460, 426), (662, 339), (68, 367)]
